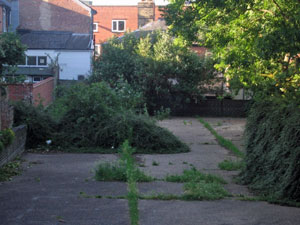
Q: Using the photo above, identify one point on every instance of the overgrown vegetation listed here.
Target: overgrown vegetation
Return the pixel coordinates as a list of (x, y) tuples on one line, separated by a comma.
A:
[(10, 170), (93, 116), (193, 175), (6, 138), (199, 186), (153, 70), (117, 172), (273, 149), (231, 165), (221, 140)]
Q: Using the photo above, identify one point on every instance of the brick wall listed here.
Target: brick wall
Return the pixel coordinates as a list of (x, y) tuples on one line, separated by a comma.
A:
[(41, 92), (59, 15), (105, 15)]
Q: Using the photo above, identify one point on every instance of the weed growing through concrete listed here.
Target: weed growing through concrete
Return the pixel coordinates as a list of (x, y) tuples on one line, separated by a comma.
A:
[(222, 141), (154, 163), (193, 175), (132, 177), (117, 172), (202, 190), (231, 165)]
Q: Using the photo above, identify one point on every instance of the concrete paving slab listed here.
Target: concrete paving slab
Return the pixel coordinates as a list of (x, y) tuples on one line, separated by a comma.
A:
[(160, 187), (224, 212)]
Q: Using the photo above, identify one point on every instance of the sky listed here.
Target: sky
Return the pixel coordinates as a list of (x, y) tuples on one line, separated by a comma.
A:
[(125, 2)]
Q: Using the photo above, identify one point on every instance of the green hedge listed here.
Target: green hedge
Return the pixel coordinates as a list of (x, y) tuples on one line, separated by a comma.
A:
[(273, 149), (6, 138)]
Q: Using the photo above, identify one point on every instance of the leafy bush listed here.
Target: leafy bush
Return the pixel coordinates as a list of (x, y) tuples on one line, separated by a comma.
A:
[(40, 125), (273, 149), (94, 116), (155, 67), (6, 138)]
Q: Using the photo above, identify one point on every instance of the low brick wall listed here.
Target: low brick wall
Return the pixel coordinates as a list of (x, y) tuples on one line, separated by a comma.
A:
[(6, 114), (41, 92), (16, 148)]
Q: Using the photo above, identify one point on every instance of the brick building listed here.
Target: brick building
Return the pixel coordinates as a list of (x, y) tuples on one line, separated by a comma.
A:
[(115, 17)]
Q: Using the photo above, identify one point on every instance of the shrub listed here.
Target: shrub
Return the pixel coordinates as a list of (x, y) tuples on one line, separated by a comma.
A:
[(6, 138), (156, 67), (273, 149), (40, 125), (94, 116)]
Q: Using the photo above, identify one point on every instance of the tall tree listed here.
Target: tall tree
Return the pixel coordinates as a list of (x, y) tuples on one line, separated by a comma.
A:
[(257, 42)]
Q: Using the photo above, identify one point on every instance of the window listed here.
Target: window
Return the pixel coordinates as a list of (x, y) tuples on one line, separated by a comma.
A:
[(97, 49), (42, 60), (118, 25), (31, 60), (95, 27), (36, 79)]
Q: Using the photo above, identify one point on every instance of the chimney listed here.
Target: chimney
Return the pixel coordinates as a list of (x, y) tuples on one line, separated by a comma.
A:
[(146, 12)]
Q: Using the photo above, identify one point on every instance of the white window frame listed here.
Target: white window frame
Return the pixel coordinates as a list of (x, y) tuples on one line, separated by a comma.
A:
[(36, 61), (117, 30), (97, 29)]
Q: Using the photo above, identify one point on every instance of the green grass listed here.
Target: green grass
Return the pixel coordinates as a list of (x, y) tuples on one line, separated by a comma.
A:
[(10, 170), (202, 190), (222, 141), (117, 172), (231, 165), (194, 175)]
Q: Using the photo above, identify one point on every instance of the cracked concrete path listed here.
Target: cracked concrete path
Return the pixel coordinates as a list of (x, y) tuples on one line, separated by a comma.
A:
[(58, 188)]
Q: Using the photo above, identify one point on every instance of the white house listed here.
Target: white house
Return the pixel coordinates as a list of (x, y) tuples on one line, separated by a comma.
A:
[(74, 52)]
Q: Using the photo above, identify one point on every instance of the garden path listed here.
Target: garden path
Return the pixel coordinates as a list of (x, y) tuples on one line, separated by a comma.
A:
[(60, 189)]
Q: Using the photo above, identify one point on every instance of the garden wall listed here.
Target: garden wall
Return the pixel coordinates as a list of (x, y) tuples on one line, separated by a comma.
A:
[(41, 92), (210, 107), (6, 113), (17, 147)]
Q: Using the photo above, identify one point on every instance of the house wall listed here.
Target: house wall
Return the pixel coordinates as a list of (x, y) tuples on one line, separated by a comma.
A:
[(106, 13), (72, 63), (59, 15)]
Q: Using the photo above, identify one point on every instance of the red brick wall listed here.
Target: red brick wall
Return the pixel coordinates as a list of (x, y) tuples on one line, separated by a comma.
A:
[(43, 92), (20, 92), (158, 13), (105, 15), (60, 15)]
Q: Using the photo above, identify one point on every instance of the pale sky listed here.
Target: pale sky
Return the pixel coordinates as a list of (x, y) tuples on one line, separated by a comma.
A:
[(125, 2)]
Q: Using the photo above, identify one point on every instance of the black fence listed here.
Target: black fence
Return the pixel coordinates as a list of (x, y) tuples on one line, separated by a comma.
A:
[(210, 107)]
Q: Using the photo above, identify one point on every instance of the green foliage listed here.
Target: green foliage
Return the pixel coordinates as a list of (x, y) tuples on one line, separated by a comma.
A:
[(153, 68), (222, 141), (194, 175), (40, 125), (9, 170), (6, 138), (273, 152), (93, 116), (11, 52), (117, 172), (256, 43), (202, 190), (231, 165)]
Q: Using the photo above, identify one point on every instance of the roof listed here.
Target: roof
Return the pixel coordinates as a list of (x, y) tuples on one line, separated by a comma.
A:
[(61, 40), (41, 71)]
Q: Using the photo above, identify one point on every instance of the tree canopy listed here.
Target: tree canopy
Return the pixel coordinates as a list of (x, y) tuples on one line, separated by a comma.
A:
[(256, 42)]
